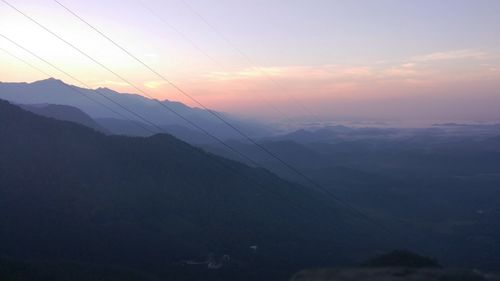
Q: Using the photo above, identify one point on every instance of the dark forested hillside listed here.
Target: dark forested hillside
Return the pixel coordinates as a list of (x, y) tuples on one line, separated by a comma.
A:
[(69, 193)]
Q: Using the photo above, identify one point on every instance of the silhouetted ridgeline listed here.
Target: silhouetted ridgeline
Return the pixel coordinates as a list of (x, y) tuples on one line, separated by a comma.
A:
[(398, 265), (69, 193)]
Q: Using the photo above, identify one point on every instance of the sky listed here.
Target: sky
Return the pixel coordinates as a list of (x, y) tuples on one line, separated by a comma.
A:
[(402, 60)]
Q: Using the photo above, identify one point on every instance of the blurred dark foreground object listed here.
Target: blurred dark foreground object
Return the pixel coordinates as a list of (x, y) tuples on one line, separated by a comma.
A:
[(397, 265), (394, 274), (402, 258)]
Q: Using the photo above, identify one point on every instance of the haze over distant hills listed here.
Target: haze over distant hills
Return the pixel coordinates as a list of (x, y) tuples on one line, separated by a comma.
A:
[(440, 185), (53, 91)]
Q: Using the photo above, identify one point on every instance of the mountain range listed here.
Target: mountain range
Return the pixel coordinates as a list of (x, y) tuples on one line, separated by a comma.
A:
[(71, 193)]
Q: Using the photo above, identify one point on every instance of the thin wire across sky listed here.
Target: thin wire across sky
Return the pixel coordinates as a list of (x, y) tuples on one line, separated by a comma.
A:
[(182, 91), (213, 113), (221, 163)]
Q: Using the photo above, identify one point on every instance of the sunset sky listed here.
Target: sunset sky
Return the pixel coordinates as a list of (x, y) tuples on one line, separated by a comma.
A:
[(381, 59)]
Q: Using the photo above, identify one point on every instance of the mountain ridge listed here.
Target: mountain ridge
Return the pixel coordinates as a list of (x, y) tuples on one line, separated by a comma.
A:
[(54, 91)]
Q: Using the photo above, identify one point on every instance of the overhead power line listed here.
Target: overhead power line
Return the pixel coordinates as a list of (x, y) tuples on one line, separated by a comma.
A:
[(312, 182), (191, 123), (216, 160), (184, 180), (309, 180)]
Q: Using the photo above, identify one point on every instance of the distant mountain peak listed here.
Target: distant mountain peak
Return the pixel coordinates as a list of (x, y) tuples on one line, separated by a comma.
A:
[(105, 89), (51, 80)]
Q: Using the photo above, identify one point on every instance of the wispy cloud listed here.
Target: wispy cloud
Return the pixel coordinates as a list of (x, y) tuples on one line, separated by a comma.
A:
[(154, 84), (151, 58), (293, 72), (111, 83), (411, 68), (247, 73), (450, 55), (342, 82)]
